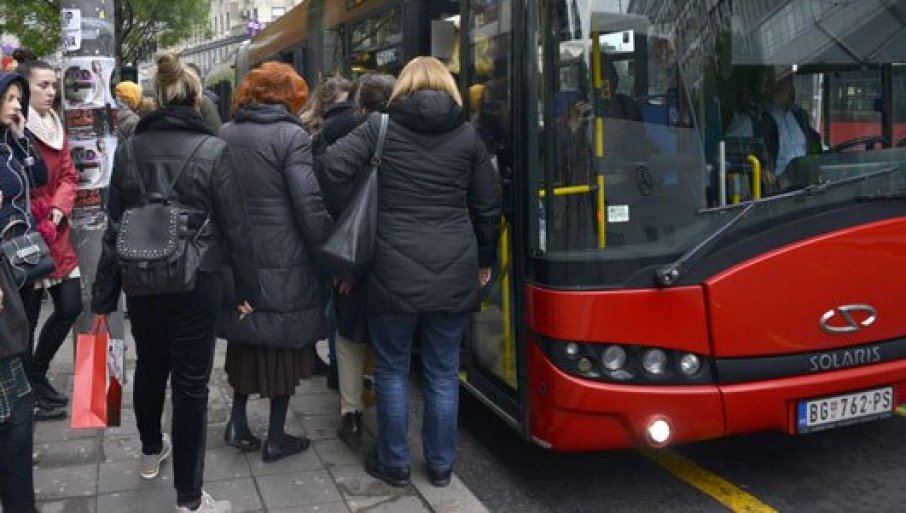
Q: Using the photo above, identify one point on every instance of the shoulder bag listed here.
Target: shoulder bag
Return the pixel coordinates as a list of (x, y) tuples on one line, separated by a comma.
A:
[(349, 248)]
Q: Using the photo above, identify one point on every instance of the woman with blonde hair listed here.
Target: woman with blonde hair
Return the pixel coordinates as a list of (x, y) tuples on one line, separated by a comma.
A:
[(438, 213), (273, 349), (174, 157)]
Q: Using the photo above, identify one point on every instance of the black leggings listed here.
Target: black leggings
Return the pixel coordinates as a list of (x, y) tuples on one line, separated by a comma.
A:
[(67, 306)]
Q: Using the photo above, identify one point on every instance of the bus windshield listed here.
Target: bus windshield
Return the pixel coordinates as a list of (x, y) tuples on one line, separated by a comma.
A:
[(660, 121)]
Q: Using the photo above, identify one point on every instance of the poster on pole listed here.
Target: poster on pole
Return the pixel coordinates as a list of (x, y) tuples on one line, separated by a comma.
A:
[(86, 82), (89, 112)]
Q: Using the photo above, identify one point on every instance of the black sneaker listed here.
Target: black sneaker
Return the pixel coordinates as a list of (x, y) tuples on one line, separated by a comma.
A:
[(394, 476), (45, 411), (350, 432), (44, 390)]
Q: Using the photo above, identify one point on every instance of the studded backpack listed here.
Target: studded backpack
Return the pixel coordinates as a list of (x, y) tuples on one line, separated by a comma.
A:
[(155, 248)]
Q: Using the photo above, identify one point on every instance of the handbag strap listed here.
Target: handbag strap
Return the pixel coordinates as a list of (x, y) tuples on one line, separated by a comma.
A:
[(379, 147), (133, 166)]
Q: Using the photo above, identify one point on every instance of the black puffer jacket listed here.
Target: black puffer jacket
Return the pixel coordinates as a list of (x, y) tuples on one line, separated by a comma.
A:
[(272, 156), (439, 207), (162, 142)]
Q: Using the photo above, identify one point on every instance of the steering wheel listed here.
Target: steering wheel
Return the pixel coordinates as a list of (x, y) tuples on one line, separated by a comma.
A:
[(868, 142)]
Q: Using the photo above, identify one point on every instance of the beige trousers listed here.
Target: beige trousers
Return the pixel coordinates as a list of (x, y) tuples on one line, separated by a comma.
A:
[(350, 366)]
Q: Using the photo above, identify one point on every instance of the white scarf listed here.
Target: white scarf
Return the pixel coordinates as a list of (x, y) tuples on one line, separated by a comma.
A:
[(48, 128)]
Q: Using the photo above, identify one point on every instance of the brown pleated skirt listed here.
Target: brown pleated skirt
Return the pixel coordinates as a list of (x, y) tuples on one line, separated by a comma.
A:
[(267, 371)]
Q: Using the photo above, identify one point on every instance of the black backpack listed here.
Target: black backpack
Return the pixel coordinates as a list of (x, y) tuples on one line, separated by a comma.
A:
[(156, 251)]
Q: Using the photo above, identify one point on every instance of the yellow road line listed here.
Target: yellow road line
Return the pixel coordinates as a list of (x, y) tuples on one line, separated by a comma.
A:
[(723, 491)]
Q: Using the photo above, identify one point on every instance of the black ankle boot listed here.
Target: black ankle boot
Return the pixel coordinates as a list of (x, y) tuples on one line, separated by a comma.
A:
[(394, 476), (44, 390), (439, 478), (350, 432), (277, 450), (242, 441)]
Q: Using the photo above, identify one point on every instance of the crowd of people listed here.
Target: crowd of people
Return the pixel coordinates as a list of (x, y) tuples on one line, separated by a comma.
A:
[(258, 197)]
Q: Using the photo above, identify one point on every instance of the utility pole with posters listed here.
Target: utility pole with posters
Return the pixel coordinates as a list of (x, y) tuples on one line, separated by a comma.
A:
[(89, 114)]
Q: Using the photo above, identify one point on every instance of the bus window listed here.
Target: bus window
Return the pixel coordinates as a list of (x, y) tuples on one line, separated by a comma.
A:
[(656, 123), (855, 109), (376, 44)]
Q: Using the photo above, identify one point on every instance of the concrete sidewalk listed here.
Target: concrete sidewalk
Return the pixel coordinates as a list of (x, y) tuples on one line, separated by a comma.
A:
[(96, 471)]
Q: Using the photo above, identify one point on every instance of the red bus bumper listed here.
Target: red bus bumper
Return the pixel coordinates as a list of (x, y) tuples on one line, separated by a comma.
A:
[(574, 414)]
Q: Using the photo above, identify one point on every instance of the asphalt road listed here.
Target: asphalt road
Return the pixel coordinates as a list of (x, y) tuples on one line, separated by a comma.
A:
[(860, 468)]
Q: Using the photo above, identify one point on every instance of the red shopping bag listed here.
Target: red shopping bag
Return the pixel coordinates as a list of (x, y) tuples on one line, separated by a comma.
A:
[(97, 381)]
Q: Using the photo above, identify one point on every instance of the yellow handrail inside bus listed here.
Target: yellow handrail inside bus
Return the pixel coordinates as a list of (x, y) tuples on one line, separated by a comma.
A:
[(567, 190), (756, 177), (599, 204), (509, 348)]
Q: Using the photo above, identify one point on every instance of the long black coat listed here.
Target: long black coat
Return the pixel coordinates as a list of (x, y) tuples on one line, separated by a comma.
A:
[(438, 209), (272, 157)]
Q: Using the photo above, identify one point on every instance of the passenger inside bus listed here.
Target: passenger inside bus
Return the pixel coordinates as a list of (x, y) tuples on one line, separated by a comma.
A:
[(776, 121)]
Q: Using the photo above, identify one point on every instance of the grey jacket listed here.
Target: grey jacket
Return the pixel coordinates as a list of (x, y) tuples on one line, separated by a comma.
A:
[(126, 120), (272, 156)]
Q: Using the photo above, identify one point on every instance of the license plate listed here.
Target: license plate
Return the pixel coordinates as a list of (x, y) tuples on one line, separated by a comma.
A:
[(838, 410)]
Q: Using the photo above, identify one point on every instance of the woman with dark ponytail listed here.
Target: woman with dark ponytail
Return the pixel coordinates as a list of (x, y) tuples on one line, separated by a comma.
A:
[(172, 150)]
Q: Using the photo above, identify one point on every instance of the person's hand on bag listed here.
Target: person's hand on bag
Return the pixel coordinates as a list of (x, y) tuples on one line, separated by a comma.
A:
[(245, 309), (484, 276)]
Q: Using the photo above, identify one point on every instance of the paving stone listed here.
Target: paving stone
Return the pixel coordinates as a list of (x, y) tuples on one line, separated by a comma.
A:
[(60, 483), (139, 501), (320, 427), (225, 464), (68, 453), (404, 504), (316, 404), (298, 489), (335, 507), (119, 476), (242, 494), (334, 453), (60, 430), (119, 448), (76, 505)]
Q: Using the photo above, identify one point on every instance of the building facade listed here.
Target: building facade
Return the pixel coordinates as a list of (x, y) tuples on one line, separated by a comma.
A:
[(230, 23)]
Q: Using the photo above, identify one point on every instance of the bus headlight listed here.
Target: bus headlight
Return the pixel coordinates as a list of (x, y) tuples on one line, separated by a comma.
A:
[(654, 361), (572, 349), (613, 358), (690, 364)]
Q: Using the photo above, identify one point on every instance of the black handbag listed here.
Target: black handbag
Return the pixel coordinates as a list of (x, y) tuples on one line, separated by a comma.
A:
[(26, 254), (154, 247), (349, 248), (13, 321)]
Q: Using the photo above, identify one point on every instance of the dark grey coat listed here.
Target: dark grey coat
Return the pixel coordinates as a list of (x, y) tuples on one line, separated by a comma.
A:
[(272, 157), (438, 208)]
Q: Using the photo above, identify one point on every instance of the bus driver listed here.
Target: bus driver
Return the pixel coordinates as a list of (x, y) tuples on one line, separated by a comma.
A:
[(779, 122)]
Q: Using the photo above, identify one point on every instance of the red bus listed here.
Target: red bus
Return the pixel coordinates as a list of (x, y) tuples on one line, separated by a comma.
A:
[(647, 292)]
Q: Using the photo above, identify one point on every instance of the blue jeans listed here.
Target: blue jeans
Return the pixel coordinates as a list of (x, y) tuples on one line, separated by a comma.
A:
[(440, 336)]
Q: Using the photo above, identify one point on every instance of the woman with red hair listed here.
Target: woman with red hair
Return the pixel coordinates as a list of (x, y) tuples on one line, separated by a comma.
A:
[(272, 349)]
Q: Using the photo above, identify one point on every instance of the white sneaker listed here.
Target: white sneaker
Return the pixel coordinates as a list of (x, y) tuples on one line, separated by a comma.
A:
[(208, 505), (150, 463)]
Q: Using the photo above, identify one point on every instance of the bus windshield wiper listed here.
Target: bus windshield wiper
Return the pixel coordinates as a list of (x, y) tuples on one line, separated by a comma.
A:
[(671, 273)]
